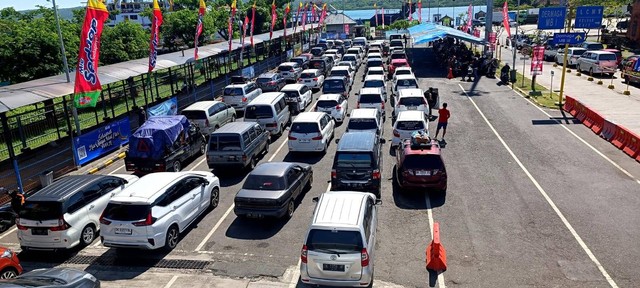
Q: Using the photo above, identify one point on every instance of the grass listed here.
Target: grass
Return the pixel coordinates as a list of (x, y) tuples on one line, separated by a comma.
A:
[(546, 99)]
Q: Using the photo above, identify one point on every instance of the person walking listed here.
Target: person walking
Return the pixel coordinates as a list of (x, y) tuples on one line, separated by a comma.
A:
[(443, 118), (17, 200)]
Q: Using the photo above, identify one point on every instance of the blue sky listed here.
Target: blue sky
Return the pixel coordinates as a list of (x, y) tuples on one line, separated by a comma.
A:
[(31, 4)]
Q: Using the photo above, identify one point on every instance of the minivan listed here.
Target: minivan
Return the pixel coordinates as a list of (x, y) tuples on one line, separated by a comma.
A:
[(239, 95), (366, 120), (357, 164), (336, 85), (237, 144), (209, 115), (339, 248), (371, 98), (66, 213), (598, 62), (271, 111)]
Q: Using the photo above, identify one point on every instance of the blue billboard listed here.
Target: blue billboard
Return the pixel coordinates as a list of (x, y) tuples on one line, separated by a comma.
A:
[(102, 140)]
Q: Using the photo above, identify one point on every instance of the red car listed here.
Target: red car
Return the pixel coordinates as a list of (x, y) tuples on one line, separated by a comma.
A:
[(618, 55), (9, 264), (395, 63), (420, 165)]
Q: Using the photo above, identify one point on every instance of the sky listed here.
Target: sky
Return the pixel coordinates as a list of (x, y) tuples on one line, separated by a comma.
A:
[(31, 4)]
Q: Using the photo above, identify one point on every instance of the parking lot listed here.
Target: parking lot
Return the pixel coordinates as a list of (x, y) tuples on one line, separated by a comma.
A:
[(530, 203)]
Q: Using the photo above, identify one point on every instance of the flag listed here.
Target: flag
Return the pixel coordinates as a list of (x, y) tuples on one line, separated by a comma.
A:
[(253, 20), (201, 12), (505, 18), (244, 33), (297, 17), (313, 14), (284, 19), (304, 17), (375, 6), (273, 18), (469, 17), (420, 11), (232, 15), (382, 17), (410, 13), (87, 85), (323, 14), (156, 21)]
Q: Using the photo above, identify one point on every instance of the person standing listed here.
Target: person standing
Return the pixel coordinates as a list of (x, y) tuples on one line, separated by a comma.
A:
[(17, 201), (443, 118)]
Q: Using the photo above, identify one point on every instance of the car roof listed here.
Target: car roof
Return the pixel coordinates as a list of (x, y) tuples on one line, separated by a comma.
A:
[(64, 187), (139, 191), (376, 69), (404, 68), (309, 117), (267, 74), (201, 105), (611, 50), (406, 76), (364, 113), (265, 98), (336, 78), (331, 50), (432, 148), (374, 77), (370, 90), (288, 64), (411, 115), (357, 141), (411, 92), (339, 208), (401, 60), (289, 87), (237, 85), (374, 59), (271, 168), (339, 68), (69, 275), (330, 96), (310, 71), (600, 52), (234, 127)]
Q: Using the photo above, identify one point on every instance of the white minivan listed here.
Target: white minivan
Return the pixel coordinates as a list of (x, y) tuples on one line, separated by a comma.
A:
[(209, 115), (311, 132), (411, 99), (271, 111)]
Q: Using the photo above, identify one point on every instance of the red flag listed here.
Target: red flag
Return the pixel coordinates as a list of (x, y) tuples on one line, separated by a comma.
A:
[(295, 27), (284, 19), (153, 42), (87, 85), (313, 14), (505, 18), (253, 20), (273, 18), (230, 27), (469, 17), (244, 27), (304, 17), (375, 6), (420, 11), (323, 14), (410, 13), (201, 12)]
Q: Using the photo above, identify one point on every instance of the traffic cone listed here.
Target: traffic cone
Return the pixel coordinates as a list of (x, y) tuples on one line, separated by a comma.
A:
[(436, 255), (450, 75)]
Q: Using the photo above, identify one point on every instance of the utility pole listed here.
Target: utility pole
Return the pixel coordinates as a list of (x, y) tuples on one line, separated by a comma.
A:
[(514, 51), (489, 22), (564, 60), (64, 54)]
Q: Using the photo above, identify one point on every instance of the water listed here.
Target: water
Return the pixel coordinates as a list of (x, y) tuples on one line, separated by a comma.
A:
[(426, 12)]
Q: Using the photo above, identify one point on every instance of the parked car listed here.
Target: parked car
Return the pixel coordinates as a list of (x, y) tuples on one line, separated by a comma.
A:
[(361, 41), (345, 72), (152, 213), (336, 105), (270, 82), (66, 213), (317, 51), (597, 62), (396, 43), (324, 64), (404, 82), (311, 132), (347, 64), (272, 189), (420, 165), (357, 51), (335, 53), (550, 52), (53, 278), (297, 95), (290, 71), (271, 111), (411, 99), (376, 81), (366, 120), (209, 115), (396, 63), (374, 63), (397, 55), (237, 144), (573, 53), (374, 71), (406, 70), (357, 164), (592, 46), (353, 59), (372, 98), (618, 55), (164, 143), (303, 62), (9, 264), (336, 85), (239, 95), (406, 123), (344, 223), (312, 78)]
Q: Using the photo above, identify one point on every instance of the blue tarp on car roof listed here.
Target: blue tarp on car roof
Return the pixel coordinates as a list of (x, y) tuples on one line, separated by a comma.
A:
[(156, 135), (427, 32)]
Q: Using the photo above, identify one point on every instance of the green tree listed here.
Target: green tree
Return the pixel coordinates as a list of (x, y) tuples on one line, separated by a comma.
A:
[(403, 24), (125, 41)]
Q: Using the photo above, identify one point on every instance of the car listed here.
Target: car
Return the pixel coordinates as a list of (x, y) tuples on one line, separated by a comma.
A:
[(374, 63), (396, 63), (9, 264), (339, 246), (309, 56), (271, 111), (357, 51), (366, 120), (336, 54), (419, 165), (344, 72), (237, 144), (303, 62), (272, 190), (374, 50), (398, 55), (349, 64), (58, 277), (396, 43), (353, 59), (311, 132), (333, 58), (629, 59), (597, 62), (376, 81), (324, 64), (270, 82), (592, 46), (290, 71), (336, 85), (406, 123), (347, 43), (298, 93), (357, 163), (239, 95), (403, 70), (573, 53), (66, 213), (374, 71), (209, 115), (336, 105), (410, 99), (618, 55), (550, 52), (316, 51), (404, 82), (152, 212), (374, 56), (361, 41), (312, 78), (372, 98)]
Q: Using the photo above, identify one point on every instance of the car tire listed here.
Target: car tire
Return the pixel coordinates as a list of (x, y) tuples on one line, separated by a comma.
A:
[(176, 166), (214, 200), (252, 163), (8, 273), (87, 235), (171, 238), (578, 68), (590, 71), (291, 207), (203, 149)]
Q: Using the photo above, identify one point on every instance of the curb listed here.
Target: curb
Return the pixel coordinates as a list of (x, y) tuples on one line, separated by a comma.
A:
[(105, 164), (525, 94)]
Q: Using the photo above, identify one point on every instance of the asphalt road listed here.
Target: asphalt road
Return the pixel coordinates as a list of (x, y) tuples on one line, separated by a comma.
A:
[(530, 203)]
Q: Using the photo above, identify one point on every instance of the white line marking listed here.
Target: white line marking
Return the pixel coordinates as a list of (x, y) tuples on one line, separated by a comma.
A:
[(173, 279), (555, 208), (114, 171), (198, 164), (14, 229), (98, 243), (278, 150), (430, 217)]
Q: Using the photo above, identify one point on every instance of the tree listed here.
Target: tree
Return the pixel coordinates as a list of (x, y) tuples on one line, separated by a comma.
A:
[(402, 24), (123, 42)]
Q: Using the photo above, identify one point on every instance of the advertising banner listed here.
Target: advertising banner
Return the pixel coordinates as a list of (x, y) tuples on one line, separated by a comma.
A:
[(536, 60), (102, 140), (492, 41), (248, 72), (168, 107)]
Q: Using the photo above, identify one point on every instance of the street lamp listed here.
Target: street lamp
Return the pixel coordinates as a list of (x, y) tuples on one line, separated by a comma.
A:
[(64, 54)]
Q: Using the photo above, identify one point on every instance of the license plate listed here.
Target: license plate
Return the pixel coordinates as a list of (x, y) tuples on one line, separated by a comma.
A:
[(122, 231), (304, 140), (412, 108), (423, 173), (39, 231), (307, 81), (333, 267)]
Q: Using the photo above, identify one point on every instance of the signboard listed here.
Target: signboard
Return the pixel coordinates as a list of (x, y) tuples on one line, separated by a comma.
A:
[(102, 140), (589, 17), (551, 18), (537, 61), (346, 28), (492, 41), (569, 38), (168, 107)]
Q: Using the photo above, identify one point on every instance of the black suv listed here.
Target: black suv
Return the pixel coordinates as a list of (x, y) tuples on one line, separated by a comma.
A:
[(357, 164)]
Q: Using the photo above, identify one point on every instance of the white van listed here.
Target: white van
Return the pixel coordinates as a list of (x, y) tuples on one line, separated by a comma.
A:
[(411, 99), (209, 115), (366, 120), (361, 41), (270, 110)]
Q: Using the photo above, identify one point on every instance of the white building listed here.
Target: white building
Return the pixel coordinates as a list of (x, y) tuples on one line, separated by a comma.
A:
[(130, 11)]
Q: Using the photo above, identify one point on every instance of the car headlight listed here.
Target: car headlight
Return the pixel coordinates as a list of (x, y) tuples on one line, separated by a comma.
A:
[(6, 254)]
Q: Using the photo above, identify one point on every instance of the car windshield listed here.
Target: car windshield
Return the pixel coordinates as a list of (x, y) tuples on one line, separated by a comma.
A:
[(595, 46), (125, 212), (35, 281), (411, 101), (297, 60), (398, 56), (302, 127), (334, 241), (194, 114), (370, 98), (316, 51), (400, 64), (258, 112), (374, 63), (403, 72), (349, 58), (327, 103), (407, 83), (264, 182), (608, 57), (333, 85), (375, 72), (291, 94), (225, 143), (340, 73), (307, 75), (362, 124), (423, 162), (263, 80), (409, 125), (373, 83), (41, 210), (353, 160), (232, 92), (317, 63), (285, 68)]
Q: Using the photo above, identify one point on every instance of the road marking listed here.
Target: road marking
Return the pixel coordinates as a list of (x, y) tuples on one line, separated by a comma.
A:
[(278, 150), (198, 164), (173, 279), (555, 208), (98, 243), (14, 229), (430, 217), (114, 171)]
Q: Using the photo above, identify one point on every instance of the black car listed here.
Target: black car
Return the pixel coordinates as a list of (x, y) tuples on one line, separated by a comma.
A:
[(54, 278), (272, 188), (357, 165), (323, 63), (303, 62), (317, 51), (270, 82)]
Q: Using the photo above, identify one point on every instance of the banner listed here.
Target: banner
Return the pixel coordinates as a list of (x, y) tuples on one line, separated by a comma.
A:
[(410, 12), (102, 140), (492, 41), (304, 17), (244, 33), (313, 14), (323, 15), (295, 27), (253, 20), (201, 12), (420, 11), (382, 17), (284, 19), (168, 107), (537, 60), (505, 18), (375, 6), (232, 15), (346, 29), (87, 85), (476, 32), (155, 31), (469, 24), (273, 18)]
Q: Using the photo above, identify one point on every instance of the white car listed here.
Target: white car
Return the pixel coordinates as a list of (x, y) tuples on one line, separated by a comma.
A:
[(344, 71), (356, 50), (151, 213), (411, 99), (334, 52), (572, 56), (374, 71), (332, 58), (371, 98), (311, 132), (405, 70), (312, 78), (299, 93), (406, 123), (353, 58), (404, 82), (335, 105), (374, 56), (376, 81), (373, 50), (349, 64)]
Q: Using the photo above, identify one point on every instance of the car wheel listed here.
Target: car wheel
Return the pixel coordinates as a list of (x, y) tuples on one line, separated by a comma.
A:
[(88, 235), (215, 198), (590, 71), (8, 273), (203, 149), (291, 207), (172, 238), (252, 163), (578, 68), (176, 166)]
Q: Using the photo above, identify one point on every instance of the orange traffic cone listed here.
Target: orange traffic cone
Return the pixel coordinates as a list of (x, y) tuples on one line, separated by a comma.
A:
[(436, 255), (450, 75)]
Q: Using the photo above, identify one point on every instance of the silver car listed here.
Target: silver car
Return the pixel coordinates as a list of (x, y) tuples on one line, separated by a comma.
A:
[(53, 277)]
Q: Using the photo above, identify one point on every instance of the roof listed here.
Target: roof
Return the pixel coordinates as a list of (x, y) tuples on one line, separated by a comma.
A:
[(432, 148), (399, 60), (410, 115), (62, 188), (335, 78), (266, 98), (310, 71), (406, 76), (374, 77), (329, 97), (201, 105), (288, 64), (371, 90), (309, 116), (338, 19), (427, 32), (375, 68), (147, 186), (341, 208), (234, 127), (358, 141), (403, 68), (364, 113), (340, 68), (267, 75), (411, 92), (294, 87), (271, 168)]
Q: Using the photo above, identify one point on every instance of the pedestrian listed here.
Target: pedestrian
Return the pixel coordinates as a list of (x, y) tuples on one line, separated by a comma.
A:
[(17, 200), (443, 118), (142, 116)]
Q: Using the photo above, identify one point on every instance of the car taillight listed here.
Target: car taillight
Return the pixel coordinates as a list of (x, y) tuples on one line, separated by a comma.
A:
[(357, 104), (271, 83), (146, 222), (375, 174), (20, 227), (272, 125), (364, 258), (62, 225), (396, 133), (104, 221), (382, 105), (299, 79), (303, 254), (319, 137), (338, 107), (315, 79), (244, 99), (291, 137), (334, 174)]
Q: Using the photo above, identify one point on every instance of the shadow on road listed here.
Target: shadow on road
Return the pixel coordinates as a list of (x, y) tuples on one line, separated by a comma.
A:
[(309, 158)]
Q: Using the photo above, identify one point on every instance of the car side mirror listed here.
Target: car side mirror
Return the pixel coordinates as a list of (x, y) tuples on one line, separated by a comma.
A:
[(315, 199), (205, 183)]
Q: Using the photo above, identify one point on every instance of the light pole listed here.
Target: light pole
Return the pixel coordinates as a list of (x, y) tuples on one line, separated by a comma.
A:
[(64, 54), (513, 51)]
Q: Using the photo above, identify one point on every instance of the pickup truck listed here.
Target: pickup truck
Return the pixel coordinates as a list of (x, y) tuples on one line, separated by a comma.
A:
[(163, 143)]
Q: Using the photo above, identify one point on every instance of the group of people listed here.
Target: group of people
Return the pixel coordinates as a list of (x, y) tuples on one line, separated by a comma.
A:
[(455, 55)]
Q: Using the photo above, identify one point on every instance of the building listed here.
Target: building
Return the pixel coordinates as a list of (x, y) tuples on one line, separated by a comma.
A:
[(129, 10), (480, 14), (339, 24), (633, 30)]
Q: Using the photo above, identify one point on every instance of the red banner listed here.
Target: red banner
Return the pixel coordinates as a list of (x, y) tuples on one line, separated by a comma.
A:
[(87, 85), (476, 33), (492, 41), (253, 20), (295, 27), (469, 17), (304, 17), (201, 11), (313, 14), (273, 18), (537, 60), (382, 17), (323, 14), (284, 19), (505, 18), (375, 6), (420, 11), (230, 27), (155, 31), (410, 12)]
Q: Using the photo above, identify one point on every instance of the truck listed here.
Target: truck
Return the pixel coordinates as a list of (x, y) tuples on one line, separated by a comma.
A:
[(163, 143), (628, 73)]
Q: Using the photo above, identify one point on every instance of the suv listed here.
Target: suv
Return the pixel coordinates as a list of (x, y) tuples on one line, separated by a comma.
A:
[(312, 78), (298, 97), (407, 123), (357, 164), (339, 248), (411, 99), (376, 81), (237, 144), (270, 82), (598, 62), (592, 46), (324, 64), (67, 213), (336, 85), (209, 115), (420, 165), (239, 95), (343, 71), (366, 120), (290, 71), (336, 105), (302, 61), (371, 98), (151, 213)]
